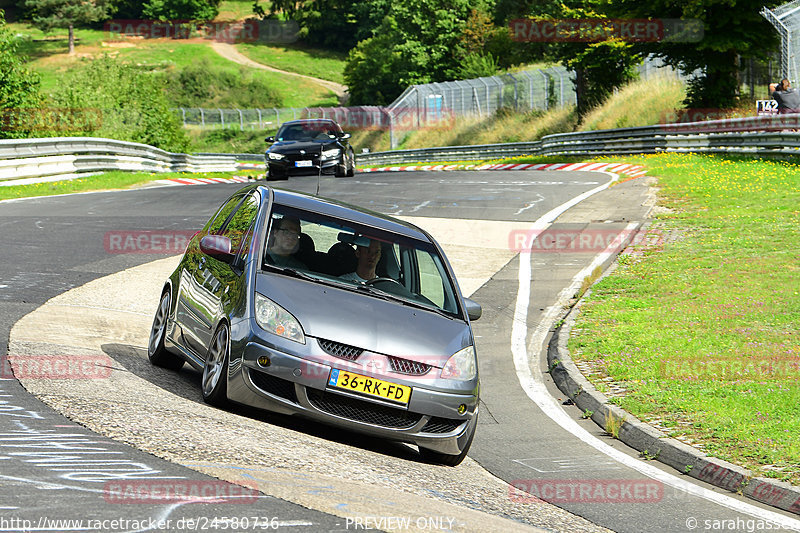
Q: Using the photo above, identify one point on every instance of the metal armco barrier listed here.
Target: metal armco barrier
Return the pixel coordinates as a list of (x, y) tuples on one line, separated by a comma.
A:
[(33, 158), (769, 136)]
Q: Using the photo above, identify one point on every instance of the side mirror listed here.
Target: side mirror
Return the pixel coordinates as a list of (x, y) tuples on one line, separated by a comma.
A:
[(474, 310), (344, 136), (270, 139), (217, 246)]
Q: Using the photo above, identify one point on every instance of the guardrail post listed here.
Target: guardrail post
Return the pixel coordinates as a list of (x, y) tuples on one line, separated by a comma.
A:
[(221, 118), (202, 118), (260, 125), (546, 95), (241, 120)]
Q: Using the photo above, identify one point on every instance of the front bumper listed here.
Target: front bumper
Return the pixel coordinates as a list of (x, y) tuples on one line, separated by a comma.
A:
[(293, 385)]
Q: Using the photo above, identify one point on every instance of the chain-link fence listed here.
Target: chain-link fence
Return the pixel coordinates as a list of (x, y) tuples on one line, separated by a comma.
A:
[(786, 20), (423, 105)]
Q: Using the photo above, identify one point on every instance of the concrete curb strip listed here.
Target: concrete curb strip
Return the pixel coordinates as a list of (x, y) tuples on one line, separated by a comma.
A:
[(651, 442)]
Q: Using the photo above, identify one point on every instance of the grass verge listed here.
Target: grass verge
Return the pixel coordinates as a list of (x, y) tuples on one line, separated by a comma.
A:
[(105, 181), (702, 328), (324, 64)]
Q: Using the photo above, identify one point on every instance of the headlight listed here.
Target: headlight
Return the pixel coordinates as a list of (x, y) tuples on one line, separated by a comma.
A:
[(275, 156), (275, 319), (331, 154), (462, 365)]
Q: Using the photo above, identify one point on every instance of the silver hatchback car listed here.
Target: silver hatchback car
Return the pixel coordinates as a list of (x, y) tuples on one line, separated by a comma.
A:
[(310, 307)]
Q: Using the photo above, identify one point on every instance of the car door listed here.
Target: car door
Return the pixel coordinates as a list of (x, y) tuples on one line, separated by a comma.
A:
[(195, 302)]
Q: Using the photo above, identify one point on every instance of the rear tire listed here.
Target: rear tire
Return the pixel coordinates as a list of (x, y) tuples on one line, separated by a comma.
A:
[(215, 370), (430, 456), (156, 352)]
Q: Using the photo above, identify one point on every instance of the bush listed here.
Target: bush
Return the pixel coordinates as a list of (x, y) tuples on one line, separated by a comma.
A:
[(19, 87), (132, 101), (202, 85)]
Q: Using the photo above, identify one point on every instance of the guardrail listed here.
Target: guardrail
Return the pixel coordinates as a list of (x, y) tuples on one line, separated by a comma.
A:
[(770, 136), (29, 158), (765, 136)]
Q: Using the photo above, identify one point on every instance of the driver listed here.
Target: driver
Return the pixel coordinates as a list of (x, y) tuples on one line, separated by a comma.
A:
[(368, 257)]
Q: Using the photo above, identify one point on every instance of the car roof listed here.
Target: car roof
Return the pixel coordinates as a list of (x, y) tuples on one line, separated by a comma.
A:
[(309, 121), (345, 211)]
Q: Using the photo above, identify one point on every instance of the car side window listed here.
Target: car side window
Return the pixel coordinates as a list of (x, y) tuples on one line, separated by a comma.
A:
[(214, 226), (239, 228)]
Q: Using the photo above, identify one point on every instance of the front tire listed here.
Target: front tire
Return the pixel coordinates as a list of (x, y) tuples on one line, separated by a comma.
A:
[(156, 352), (215, 370)]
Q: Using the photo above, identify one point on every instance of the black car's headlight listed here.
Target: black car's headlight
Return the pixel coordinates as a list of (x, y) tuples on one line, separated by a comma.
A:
[(275, 319), (275, 156), (333, 153)]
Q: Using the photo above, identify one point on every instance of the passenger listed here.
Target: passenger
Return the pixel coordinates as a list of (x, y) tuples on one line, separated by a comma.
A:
[(368, 257), (284, 242), (788, 98)]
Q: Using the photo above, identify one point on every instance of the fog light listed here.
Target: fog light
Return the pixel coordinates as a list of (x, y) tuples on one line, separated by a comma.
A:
[(263, 360), (462, 409)]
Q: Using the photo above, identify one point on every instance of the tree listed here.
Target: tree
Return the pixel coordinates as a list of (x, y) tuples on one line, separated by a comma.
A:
[(49, 14), (600, 66), (202, 10), (19, 87), (732, 30), (417, 42)]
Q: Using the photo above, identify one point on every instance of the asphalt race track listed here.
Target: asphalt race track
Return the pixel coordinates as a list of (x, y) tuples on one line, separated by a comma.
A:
[(148, 426)]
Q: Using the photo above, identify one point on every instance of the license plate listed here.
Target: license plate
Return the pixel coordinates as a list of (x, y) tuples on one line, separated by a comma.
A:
[(369, 386), (302, 163)]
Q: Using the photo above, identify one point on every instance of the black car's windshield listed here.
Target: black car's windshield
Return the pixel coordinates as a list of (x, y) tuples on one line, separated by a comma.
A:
[(373, 261), (307, 132)]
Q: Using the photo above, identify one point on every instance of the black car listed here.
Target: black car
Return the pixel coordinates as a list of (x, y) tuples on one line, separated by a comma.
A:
[(309, 147)]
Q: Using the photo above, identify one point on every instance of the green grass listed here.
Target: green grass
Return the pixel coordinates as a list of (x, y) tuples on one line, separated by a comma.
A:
[(323, 64), (48, 56), (718, 289), (105, 181), (238, 9)]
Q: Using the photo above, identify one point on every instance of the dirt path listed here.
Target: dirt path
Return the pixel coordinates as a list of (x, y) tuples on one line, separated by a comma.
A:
[(228, 51)]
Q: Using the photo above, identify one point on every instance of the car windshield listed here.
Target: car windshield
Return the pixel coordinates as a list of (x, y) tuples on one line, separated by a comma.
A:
[(377, 262), (307, 132)]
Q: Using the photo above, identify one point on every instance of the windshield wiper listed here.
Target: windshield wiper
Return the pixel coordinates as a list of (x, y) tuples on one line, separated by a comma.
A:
[(405, 301)]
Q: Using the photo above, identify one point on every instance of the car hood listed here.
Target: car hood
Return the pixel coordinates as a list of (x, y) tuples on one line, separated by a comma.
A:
[(374, 324), (296, 146)]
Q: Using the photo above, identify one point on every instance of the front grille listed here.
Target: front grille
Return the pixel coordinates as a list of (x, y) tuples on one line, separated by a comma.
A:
[(404, 366), (441, 425), (361, 411), (272, 385), (337, 349)]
